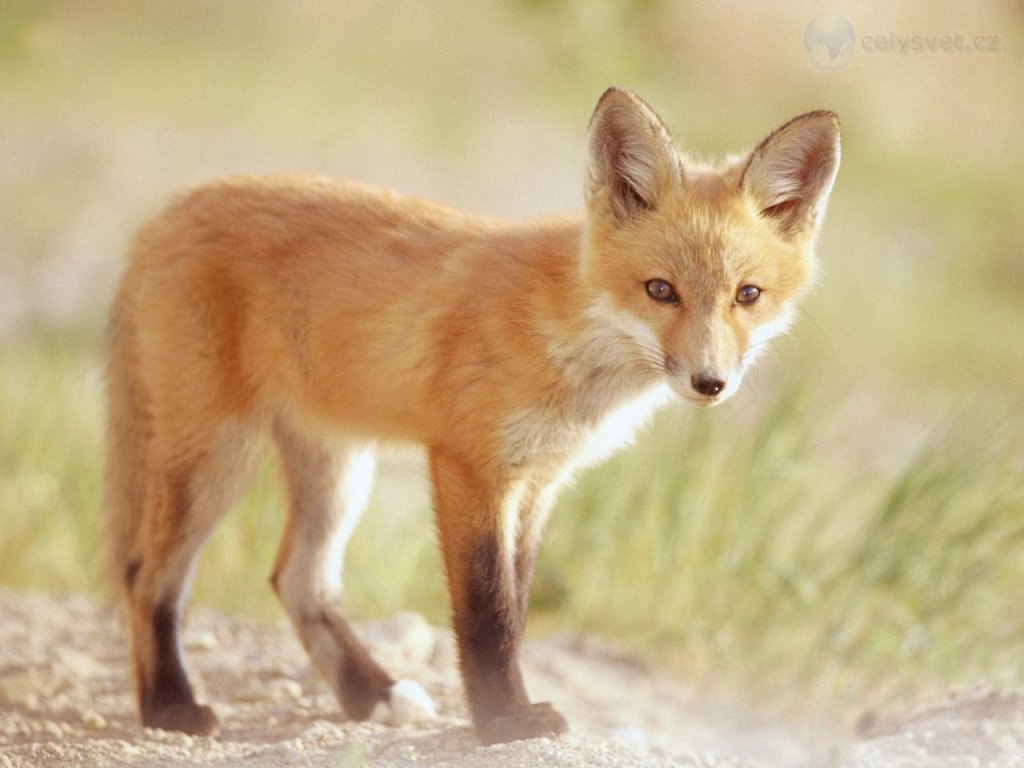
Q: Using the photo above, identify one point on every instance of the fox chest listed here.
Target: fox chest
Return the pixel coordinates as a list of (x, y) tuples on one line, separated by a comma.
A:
[(570, 439)]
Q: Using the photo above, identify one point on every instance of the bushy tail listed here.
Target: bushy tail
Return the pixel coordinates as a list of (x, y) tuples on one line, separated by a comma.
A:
[(126, 449)]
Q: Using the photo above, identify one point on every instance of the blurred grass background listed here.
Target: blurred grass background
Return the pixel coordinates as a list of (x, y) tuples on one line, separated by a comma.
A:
[(848, 529)]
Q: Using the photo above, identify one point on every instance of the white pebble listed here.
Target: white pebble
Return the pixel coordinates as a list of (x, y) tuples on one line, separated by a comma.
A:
[(201, 641), (285, 690), (94, 720), (408, 703)]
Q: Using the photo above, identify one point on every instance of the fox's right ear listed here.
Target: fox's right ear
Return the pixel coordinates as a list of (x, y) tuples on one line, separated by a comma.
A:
[(633, 159)]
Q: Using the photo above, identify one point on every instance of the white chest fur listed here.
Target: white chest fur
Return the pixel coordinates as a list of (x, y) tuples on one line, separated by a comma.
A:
[(577, 438)]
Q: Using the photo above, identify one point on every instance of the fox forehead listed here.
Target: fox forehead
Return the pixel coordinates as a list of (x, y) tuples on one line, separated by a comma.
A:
[(708, 237)]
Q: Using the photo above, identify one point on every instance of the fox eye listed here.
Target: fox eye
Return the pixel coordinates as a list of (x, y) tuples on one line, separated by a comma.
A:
[(661, 290), (748, 294)]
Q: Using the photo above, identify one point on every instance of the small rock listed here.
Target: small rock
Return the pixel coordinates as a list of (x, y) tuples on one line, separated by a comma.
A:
[(201, 641), (285, 690), (94, 720), (410, 703)]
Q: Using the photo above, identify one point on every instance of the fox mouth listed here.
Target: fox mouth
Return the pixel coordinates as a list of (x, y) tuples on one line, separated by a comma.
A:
[(703, 401), (706, 402)]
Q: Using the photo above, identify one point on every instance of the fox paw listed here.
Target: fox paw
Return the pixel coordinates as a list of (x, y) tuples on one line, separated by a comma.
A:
[(407, 703), (191, 718), (538, 720)]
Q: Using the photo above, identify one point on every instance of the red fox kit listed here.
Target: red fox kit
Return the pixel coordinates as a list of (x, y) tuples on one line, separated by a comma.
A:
[(333, 317)]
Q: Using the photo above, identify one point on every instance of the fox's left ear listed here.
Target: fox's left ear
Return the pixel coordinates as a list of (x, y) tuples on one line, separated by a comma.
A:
[(790, 173)]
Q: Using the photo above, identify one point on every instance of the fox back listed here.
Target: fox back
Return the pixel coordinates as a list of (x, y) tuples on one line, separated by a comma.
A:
[(332, 317)]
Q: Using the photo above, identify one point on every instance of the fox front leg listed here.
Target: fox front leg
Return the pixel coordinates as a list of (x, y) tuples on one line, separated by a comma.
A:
[(480, 559)]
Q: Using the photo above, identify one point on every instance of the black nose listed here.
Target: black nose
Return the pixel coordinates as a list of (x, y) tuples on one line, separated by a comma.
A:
[(706, 384)]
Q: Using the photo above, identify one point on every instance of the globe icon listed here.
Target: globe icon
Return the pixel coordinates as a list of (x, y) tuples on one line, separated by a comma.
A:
[(829, 41)]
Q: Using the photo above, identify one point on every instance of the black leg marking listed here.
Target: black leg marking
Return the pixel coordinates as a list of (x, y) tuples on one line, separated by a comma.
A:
[(170, 683), (490, 630), (167, 700), (489, 633)]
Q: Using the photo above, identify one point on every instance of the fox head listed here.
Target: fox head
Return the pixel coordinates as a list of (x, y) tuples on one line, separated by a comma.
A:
[(699, 267)]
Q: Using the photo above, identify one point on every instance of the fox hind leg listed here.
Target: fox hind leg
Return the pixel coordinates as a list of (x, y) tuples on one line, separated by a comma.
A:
[(328, 491), (182, 502)]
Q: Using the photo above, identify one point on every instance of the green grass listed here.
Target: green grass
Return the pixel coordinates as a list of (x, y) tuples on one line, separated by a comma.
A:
[(50, 449), (752, 559)]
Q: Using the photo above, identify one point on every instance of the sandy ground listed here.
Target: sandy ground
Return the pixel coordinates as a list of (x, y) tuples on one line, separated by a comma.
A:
[(65, 701)]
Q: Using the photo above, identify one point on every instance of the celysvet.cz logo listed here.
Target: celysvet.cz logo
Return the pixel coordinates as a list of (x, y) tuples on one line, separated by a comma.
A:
[(830, 42)]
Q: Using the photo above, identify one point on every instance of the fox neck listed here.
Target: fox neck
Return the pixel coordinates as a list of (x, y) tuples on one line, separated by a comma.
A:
[(599, 367)]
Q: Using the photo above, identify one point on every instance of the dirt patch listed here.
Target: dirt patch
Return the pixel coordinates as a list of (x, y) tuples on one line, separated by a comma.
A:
[(65, 700)]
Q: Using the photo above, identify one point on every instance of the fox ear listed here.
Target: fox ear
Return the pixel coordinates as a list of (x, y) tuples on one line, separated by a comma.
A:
[(790, 174), (632, 156)]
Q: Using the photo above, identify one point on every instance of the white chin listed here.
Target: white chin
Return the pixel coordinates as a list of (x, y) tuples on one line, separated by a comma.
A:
[(705, 402)]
